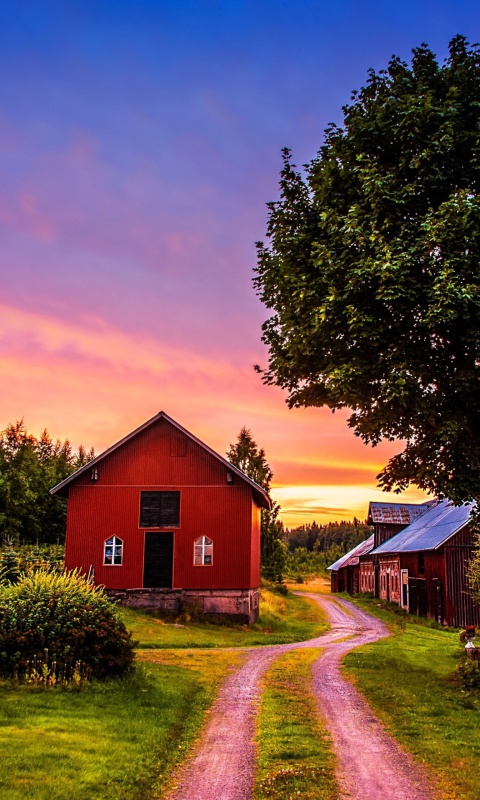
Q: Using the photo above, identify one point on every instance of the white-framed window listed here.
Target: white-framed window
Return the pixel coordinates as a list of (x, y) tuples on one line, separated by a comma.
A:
[(203, 552), (113, 551)]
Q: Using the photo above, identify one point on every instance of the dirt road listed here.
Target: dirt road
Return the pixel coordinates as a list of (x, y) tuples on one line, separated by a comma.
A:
[(371, 764)]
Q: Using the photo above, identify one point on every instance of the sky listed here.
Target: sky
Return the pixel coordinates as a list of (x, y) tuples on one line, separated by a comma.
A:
[(139, 144)]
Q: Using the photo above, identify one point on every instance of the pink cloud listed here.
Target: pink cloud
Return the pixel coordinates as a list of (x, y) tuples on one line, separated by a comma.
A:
[(92, 382)]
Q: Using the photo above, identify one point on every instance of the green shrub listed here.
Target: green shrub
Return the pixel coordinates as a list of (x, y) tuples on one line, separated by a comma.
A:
[(9, 570), (71, 618), (469, 672)]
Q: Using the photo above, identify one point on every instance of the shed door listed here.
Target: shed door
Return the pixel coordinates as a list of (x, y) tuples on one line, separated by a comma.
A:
[(405, 600), (377, 580), (158, 560), (422, 597)]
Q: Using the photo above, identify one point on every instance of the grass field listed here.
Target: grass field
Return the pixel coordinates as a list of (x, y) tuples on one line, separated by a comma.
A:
[(295, 758), (114, 741), (318, 585), (409, 681), (119, 740), (283, 619)]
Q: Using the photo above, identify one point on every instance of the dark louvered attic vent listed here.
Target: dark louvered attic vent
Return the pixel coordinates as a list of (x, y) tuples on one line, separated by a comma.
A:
[(160, 509)]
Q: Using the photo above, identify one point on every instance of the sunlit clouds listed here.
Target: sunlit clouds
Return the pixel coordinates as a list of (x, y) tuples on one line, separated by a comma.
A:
[(139, 145), (93, 383)]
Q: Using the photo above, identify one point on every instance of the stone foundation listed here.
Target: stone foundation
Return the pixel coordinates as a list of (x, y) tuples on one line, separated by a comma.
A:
[(235, 605)]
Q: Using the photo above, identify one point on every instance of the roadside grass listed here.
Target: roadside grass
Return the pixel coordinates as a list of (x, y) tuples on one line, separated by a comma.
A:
[(295, 757), (316, 585), (409, 680), (117, 740), (283, 619)]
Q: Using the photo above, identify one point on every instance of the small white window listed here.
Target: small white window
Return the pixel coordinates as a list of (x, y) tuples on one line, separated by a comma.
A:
[(113, 551), (203, 552)]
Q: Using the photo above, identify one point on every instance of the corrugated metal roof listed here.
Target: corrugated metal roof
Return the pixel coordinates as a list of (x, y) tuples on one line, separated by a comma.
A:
[(396, 513), (262, 495), (351, 558), (429, 531)]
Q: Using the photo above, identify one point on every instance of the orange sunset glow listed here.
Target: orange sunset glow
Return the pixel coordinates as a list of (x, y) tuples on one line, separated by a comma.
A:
[(140, 144), (93, 384)]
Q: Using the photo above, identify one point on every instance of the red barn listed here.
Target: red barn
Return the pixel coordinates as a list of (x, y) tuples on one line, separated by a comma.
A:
[(424, 568), (164, 522)]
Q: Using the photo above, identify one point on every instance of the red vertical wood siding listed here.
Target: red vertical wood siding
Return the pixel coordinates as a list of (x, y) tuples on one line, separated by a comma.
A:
[(461, 608), (161, 458), (367, 576), (390, 587), (255, 546), (448, 565)]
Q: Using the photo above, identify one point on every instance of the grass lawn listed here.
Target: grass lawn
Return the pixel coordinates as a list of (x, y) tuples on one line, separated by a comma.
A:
[(409, 681), (317, 585), (112, 741), (294, 751), (119, 740), (283, 619)]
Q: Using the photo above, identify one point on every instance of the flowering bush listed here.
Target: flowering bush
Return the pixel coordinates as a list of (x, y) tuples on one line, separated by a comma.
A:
[(71, 618)]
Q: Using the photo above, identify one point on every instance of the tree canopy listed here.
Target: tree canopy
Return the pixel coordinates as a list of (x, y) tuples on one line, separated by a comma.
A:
[(246, 455), (372, 271), (29, 467)]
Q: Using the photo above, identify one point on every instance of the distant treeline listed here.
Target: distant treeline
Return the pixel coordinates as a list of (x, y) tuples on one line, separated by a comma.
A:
[(29, 467), (312, 548), (321, 537)]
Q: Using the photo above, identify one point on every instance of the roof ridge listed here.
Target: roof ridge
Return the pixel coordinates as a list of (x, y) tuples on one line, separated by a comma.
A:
[(139, 429)]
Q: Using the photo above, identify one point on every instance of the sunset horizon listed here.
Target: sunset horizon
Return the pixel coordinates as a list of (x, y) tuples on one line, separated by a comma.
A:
[(140, 146)]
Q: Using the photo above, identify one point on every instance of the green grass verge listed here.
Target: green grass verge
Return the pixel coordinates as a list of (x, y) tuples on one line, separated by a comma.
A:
[(295, 758), (409, 679), (115, 741), (283, 619)]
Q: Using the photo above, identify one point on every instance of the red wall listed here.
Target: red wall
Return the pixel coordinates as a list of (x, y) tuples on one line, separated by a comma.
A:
[(390, 586), (208, 507)]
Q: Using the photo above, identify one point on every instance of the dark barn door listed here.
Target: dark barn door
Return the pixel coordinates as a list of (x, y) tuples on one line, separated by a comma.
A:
[(422, 597), (158, 560), (417, 590)]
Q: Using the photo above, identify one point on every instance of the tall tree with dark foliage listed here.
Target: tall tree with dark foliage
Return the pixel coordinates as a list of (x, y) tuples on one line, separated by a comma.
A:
[(246, 455), (29, 467), (373, 271)]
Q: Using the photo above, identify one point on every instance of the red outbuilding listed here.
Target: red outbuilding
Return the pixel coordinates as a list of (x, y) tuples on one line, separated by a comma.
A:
[(164, 522)]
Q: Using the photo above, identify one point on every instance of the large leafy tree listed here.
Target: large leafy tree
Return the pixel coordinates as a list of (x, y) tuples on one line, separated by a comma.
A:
[(373, 271), (247, 456)]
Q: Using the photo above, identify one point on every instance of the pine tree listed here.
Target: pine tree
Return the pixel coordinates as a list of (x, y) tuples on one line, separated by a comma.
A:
[(246, 455)]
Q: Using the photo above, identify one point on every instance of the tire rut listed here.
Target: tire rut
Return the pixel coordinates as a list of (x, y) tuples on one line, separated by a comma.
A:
[(371, 765)]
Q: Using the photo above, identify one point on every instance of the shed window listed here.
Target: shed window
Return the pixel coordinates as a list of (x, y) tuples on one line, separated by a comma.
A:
[(203, 552), (421, 564), (113, 551), (159, 509)]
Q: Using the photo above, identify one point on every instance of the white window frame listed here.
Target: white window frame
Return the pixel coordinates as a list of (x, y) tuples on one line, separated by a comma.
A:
[(117, 551), (203, 542)]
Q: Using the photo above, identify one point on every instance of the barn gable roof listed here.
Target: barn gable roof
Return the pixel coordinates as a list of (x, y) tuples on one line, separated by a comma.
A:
[(260, 494), (430, 531), (396, 513), (351, 559)]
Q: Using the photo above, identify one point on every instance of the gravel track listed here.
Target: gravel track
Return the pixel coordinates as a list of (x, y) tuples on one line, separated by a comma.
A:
[(371, 765)]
